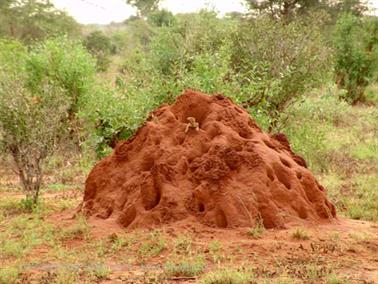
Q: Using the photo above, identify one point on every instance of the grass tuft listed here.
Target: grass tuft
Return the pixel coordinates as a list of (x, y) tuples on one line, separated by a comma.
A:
[(300, 234), (227, 276)]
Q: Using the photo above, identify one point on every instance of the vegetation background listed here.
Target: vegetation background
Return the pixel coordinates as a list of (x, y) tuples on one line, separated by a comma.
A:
[(69, 92)]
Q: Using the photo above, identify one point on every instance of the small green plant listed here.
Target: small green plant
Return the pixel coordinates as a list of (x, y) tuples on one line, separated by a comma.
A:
[(257, 231), (12, 248), (79, 230), (300, 234), (101, 272), (27, 204), (186, 268), (9, 274), (66, 275), (215, 250), (314, 272), (183, 245), (10, 207), (228, 276), (153, 246), (336, 279), (284, 279)]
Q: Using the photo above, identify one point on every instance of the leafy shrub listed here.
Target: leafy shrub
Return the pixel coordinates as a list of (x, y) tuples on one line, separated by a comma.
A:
[(263, 65), (27, 204), (101, 47), (279, 61), (356, 54), (161, 18), (40, 90)]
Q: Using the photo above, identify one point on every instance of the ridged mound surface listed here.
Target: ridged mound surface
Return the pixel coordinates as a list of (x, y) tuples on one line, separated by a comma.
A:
[(226, 174)]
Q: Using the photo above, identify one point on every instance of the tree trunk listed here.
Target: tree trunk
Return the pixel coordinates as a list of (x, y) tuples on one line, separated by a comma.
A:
[(30, 174)]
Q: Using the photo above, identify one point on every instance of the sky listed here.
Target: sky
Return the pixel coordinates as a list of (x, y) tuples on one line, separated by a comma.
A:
[(107, 11)]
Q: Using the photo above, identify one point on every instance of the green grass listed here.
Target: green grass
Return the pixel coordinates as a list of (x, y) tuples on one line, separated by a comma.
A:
[(188, 267), (367, 150), (257, 231), (300, 234), (228, 276), (12, 206), (9, 274), (100, 272), (340, 144), (79, 230), (153, 246), (336, 279), (183, 245), (66, 276)]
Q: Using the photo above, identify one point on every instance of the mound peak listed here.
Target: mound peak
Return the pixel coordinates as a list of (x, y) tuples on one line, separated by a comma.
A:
[(225, 173)]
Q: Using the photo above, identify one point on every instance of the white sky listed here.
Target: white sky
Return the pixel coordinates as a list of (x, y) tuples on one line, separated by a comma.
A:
[(106, 11)]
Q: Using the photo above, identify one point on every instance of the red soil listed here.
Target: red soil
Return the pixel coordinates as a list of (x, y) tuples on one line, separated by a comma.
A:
[(226, 174)]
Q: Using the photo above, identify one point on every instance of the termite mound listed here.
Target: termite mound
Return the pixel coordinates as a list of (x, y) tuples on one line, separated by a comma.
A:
[(228, 173)]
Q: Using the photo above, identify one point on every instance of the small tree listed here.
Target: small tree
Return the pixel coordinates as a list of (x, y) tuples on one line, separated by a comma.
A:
[(161, 18), (66, 64), (144, 7), (356, 54), (280, 61), (34, 108), (289, 9), (30, 20), (100, 46)]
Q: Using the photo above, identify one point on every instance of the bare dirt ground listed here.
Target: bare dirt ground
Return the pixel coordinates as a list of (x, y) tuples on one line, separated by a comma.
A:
[(346, 250)]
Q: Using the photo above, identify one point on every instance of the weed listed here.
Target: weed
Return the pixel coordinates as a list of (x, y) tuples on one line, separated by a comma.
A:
[(336, 279), (183, 245), (300, 234), (66, 276), (79, 230), (101, 272), (313, 272), (228, 276), (283, 280), (334, 236), (27, 205), (185, 268), (12, 248), (257, 231), (9, 274), (215, 249), (153, 246), (10, 207)]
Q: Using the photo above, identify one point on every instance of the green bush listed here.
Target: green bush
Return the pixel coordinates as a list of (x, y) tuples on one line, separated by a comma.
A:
[(101, 47), (279, 61), (356, 55), (40, 92), (263, 65), (161, 18)]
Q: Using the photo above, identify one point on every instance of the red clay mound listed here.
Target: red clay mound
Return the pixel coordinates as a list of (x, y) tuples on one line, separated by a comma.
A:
[(225, 173)]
